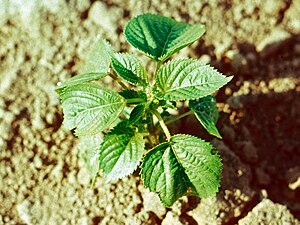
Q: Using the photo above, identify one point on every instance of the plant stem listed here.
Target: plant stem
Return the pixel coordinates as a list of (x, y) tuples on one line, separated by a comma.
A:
[(179, 117), (118, 80), (162, 124)]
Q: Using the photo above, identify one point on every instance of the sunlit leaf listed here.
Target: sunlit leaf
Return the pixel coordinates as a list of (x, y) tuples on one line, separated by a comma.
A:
[(99, 57), (78, 79), (121, 153), (90, 108), (184, 166), (88, 147), (187, 79), (160, 37)]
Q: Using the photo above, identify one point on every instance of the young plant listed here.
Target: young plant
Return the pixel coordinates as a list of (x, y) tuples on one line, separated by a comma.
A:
[(133, 119)]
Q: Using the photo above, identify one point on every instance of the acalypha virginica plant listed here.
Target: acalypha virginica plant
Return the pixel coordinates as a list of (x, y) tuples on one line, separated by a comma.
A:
[(135, 119)]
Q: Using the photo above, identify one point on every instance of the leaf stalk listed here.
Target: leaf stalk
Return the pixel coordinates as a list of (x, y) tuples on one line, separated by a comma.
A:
[(163, 125), (118, 80), (190, 112)]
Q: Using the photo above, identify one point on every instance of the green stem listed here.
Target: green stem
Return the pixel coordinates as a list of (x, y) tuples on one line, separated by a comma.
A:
[(118, 80), (135, 100), (179, 117), (162, 124)]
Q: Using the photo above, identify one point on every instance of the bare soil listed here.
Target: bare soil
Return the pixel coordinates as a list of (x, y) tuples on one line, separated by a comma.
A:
[(43, 181)]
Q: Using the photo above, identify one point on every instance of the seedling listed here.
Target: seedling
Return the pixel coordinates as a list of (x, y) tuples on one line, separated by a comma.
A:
[(134, 119)]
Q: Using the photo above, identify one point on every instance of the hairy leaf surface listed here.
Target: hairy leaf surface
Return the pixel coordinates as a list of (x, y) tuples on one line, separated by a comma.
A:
[(99, 57), (130, 69), (183, 166), (187, 79), (121, 153), (90, 108), (160, 37), (78, 79), (206, 111)]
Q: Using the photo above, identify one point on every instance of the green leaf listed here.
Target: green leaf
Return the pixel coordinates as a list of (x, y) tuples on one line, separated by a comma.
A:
[(163, 174), (184, 166), (130, 69), (88, 147), (206, 111), (187, 79), (168, 105), (131, 94), (160, 37), (99, 57), (137, 113), (90, 108), (78, 79), (122, 128), (121, 153)]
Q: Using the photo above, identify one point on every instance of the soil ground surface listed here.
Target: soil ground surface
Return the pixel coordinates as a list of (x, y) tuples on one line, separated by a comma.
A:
[(42, 179)]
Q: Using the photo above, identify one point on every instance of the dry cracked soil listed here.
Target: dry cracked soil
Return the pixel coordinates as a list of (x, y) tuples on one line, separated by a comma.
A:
[(42, 179)]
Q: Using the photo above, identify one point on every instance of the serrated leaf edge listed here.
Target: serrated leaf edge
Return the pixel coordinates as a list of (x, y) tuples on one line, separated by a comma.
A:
[(163, 57), (124, 175), (229, 78)]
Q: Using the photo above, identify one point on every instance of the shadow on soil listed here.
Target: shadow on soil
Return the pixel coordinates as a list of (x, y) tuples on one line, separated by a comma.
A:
[(268, 123)]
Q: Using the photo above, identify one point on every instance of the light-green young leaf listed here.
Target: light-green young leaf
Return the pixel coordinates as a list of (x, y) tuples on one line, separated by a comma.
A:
[(130, 69), (99, 57), (90, 108), (187, 79), (121, 153), (184, 166), (160, 37), (78, 79), (88, 147), (206, 111)]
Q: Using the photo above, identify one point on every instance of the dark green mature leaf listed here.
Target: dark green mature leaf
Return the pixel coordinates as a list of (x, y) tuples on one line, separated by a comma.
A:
[(207, 113), (160, 37), (130, 69), (183, 166), (122, 127), (187, 79), (121, 153), (78, 79), (99, 57), (137, 113), (130, 94), (90, 108), (163, 174)]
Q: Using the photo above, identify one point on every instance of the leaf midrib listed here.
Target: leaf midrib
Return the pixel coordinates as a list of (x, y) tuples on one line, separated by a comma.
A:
[(166, 42), (100, 106), (90, 109), (184, 170)]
